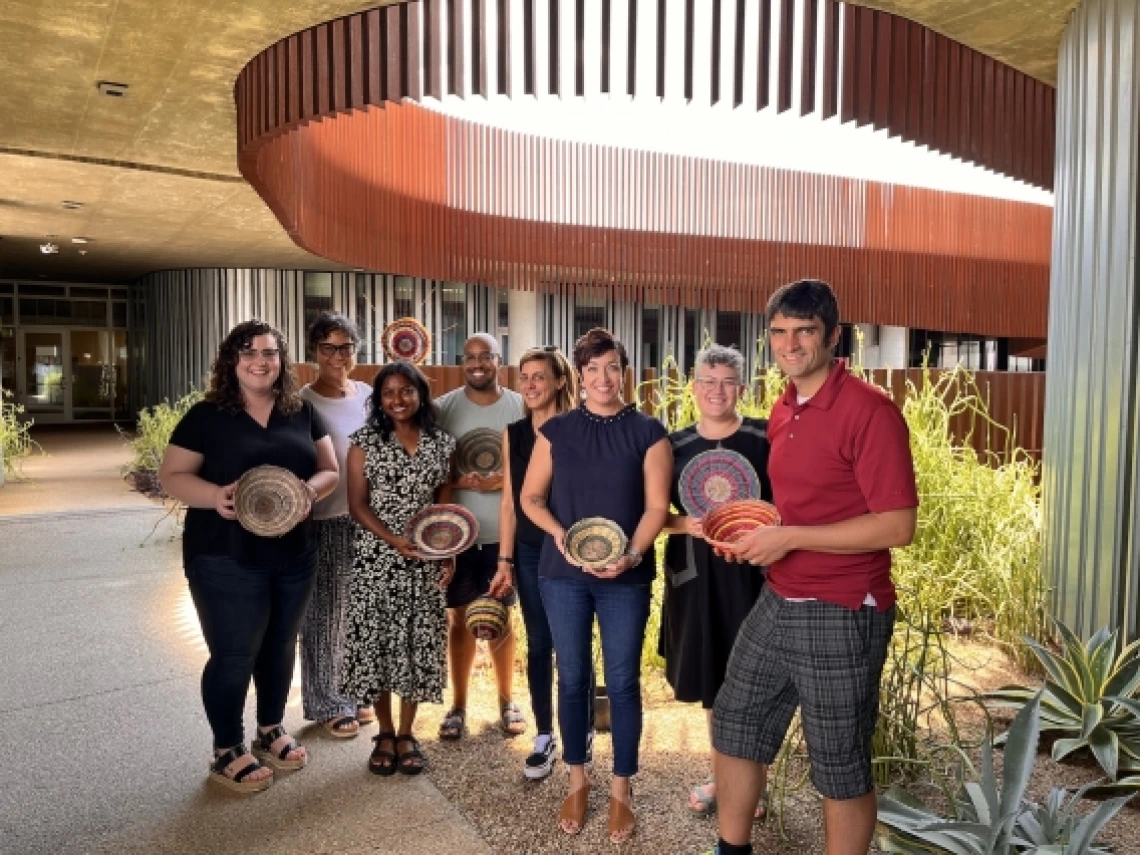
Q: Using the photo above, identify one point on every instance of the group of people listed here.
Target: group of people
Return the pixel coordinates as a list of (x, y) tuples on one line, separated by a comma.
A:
[(796, 615)]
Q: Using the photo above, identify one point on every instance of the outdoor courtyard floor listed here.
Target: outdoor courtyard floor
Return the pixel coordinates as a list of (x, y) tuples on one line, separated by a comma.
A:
[(105, 744)]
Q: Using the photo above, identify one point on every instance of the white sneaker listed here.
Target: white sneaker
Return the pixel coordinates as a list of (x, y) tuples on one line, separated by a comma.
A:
[(540, 764)]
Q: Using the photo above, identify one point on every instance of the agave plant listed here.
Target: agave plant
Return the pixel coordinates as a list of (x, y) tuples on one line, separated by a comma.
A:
[(990, 821), (1088, 695)]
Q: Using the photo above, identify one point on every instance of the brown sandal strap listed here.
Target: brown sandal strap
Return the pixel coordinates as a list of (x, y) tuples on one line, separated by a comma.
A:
[(622, 820), (574, 808)]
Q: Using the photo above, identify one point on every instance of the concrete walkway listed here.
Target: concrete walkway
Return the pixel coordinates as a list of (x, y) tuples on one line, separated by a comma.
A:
[(102, 734), (80, 469)]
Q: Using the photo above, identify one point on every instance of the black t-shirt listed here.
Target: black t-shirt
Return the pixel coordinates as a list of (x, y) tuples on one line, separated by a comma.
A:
[(231, 444)]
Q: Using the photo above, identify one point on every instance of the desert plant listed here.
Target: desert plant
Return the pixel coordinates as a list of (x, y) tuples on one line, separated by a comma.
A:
[(151, 436), (993, 821), (1088, 694), (16, 443)]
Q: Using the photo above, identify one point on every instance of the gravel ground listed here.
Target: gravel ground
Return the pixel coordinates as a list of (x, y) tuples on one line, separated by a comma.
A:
[(482, 776)]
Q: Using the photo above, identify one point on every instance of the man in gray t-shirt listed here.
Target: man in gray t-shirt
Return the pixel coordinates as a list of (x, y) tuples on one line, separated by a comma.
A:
[(480, 403)]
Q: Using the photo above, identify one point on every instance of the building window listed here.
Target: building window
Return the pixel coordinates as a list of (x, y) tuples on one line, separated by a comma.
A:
[(364, 318), (404, 297), (651, 337), (453, 330), (7, 310), (504, 309), (8, 359), (589, 312), (729, 330), (692, 339), (318, 295)]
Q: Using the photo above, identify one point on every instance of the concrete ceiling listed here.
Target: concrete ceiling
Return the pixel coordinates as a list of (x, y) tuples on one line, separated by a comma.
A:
[(155, 170)]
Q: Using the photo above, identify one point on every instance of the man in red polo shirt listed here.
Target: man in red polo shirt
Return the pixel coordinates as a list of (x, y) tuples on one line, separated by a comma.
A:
[(843, 479)]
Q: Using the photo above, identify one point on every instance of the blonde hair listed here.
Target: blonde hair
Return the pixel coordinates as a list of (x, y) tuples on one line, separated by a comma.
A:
[(567, 398)]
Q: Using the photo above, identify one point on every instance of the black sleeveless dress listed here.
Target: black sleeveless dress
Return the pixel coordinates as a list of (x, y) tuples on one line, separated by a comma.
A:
[(707, 598)]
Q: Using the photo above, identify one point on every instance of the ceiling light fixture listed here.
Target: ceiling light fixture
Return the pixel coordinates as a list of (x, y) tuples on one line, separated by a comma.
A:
[(49, 248), (72, 206), (83, 252), (115, 90), (79, 240)]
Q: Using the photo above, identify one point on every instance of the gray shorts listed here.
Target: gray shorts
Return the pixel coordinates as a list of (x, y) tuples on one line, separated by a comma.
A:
[(823, 658)]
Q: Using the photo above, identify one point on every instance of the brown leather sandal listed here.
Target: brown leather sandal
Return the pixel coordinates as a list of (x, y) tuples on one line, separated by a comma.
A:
[(574, 809), (622, 821)]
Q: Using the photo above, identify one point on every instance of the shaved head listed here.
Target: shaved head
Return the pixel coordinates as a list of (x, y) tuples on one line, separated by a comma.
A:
[(487, 339)]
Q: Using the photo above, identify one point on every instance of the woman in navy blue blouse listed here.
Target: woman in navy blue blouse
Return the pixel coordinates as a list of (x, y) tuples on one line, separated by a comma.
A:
[(603, 459)]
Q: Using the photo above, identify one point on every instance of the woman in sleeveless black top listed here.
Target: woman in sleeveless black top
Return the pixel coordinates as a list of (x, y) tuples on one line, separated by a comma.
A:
[(548, 387), (707, 598)]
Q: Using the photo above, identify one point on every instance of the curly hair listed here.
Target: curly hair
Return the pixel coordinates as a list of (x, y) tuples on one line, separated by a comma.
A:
[(326, 324), (558, 366), (224, 388), (426, 417)]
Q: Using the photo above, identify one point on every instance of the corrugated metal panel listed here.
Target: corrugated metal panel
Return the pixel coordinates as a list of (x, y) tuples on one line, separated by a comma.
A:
[(1091, 429), (189, 312)]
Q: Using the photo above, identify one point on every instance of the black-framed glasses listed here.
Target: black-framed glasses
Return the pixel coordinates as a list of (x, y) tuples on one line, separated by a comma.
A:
[(269, 354), (345, 351)]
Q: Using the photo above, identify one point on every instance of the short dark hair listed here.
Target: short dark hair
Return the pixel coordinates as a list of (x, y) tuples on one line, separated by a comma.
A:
[(806, 299), (595, 343), (426, 417), (326, 324)]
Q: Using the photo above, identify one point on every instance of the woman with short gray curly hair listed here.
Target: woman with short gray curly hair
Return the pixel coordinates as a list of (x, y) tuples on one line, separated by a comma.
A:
[(706, 597)]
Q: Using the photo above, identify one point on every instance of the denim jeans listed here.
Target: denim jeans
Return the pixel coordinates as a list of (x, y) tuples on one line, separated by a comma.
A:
[(250, 617), (622, 611), (539, 645)]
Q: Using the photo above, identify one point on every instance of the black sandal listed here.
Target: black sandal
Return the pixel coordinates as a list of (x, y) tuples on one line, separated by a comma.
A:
[(382, 761), (237, 782), (263, 750), (405, 763)]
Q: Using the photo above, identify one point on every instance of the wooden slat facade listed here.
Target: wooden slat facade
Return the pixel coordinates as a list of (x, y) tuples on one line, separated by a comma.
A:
[(408, 190)]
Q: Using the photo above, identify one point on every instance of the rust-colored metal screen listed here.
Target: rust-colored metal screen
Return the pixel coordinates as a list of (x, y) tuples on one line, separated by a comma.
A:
[(392, 189), (332, 137)]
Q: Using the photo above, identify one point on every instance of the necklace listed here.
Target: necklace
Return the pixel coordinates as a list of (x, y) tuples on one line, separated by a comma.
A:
[(341, 391)]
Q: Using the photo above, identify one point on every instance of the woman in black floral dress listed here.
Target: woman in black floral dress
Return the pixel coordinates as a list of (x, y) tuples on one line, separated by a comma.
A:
[(398, 464)]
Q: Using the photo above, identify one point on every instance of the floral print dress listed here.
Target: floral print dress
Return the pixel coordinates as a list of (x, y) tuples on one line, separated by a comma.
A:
[(397, 627)]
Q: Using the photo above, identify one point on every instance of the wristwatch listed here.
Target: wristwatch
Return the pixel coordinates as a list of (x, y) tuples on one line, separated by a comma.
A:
[(635, 555)]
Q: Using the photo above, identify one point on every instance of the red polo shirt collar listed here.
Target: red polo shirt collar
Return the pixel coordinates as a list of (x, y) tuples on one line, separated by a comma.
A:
[(826, 394)]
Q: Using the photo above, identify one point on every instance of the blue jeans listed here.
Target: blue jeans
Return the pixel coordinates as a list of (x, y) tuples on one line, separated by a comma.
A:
[(539, 644), (250, 616), (622, 612)]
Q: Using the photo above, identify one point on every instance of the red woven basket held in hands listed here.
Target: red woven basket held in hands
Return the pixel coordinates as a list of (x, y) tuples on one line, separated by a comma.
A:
[(726, 524)]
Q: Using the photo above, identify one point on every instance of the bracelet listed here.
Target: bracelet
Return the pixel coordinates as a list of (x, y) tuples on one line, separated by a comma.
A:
[(635, 555), (506, 559)]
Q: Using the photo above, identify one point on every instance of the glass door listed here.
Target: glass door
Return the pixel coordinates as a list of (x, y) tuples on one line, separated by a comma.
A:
[(91, 376), (42, 382)]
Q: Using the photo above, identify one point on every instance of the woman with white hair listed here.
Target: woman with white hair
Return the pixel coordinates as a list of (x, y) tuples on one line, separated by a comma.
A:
[(706, 597)]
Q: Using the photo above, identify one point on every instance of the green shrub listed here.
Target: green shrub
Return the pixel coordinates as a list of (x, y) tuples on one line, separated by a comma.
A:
[(16, 441), (152, 435)]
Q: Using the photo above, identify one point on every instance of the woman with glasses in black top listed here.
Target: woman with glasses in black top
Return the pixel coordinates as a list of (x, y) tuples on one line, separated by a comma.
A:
[(250, 592)]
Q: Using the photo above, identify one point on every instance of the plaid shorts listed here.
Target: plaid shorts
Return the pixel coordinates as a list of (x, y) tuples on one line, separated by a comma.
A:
[(823, 658)]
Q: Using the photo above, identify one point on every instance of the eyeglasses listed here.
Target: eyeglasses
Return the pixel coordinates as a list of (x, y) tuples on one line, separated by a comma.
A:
[(249, 354), (487, 358), (711, 384), (345, 351)]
